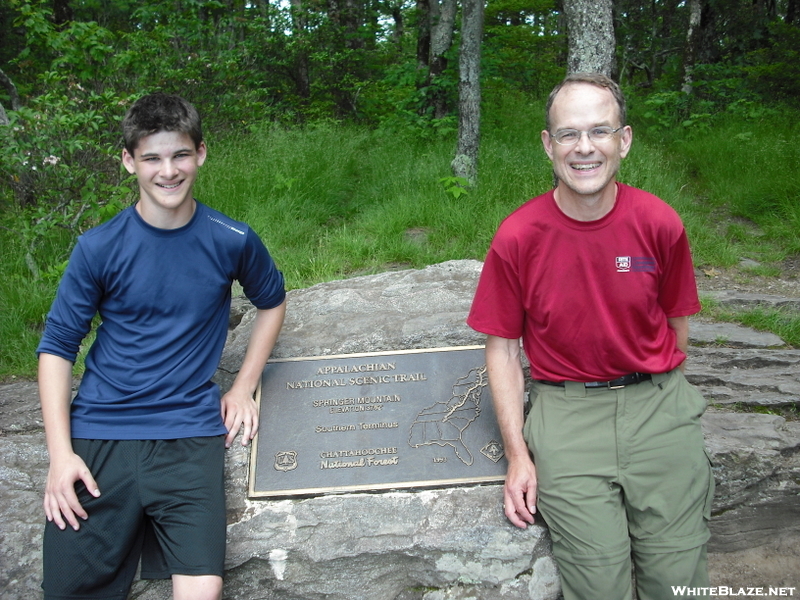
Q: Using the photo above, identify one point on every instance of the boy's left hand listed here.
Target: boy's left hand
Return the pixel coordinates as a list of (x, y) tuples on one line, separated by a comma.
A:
[(239, 411)]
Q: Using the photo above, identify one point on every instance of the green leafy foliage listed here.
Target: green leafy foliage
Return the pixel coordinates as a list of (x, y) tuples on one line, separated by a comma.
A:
[(403, 101), (85, 51), (516, 31), (59, 159), (455, 186), (774, 71)]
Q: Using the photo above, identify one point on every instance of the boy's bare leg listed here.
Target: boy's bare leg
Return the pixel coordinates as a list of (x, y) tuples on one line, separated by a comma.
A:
[(200, 587)]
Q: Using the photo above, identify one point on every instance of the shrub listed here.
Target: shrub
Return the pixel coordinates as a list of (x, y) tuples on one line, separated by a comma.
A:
[(59, 158)]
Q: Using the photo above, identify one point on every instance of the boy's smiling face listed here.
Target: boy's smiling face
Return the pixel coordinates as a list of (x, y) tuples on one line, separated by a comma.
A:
[(165, 165)]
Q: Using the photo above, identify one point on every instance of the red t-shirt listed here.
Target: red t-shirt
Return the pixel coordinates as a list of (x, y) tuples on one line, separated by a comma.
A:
[(589, 299)]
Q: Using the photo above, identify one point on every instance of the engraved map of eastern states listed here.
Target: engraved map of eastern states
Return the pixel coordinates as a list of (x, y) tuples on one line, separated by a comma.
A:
[(444, 423)]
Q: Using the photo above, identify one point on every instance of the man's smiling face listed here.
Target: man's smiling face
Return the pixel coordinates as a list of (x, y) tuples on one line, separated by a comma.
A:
[(586, 168)]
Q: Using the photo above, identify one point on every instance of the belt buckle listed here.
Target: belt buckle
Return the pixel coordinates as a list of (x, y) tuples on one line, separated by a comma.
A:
[(622, 383)]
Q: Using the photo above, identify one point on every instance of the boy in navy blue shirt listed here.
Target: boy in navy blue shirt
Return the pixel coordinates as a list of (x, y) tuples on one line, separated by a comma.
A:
[(136, 459)]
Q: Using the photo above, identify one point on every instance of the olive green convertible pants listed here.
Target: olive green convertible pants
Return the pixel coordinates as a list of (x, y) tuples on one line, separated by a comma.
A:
[(623, 472)]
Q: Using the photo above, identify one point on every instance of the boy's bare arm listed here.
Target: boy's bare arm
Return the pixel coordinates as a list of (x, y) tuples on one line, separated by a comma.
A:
[(61, 503), (239, 410)]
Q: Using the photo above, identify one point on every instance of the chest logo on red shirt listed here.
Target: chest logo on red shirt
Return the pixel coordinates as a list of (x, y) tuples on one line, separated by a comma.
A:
[(626, 264)]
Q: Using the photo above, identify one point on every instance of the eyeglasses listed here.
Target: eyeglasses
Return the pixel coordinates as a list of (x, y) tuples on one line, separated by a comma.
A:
[(570, 137)]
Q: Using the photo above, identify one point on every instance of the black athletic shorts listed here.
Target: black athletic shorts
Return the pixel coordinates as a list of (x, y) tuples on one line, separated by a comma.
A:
[(163, 500)]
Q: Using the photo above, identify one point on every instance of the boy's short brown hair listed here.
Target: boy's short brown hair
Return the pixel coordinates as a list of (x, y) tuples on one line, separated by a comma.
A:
[(160, 112)]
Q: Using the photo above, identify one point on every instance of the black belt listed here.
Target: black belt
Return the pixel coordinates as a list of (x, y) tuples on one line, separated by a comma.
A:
[(613, 384)]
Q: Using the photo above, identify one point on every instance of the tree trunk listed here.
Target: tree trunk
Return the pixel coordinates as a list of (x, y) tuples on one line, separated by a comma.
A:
[(465, 163), (11, 90), (300, 75), (654, 42), (354, 17), (709, 48), (348, 16), (692, 40), (423, 34), (590, 26), (396, 11), (443, 18), (263, 11), (62, 12)]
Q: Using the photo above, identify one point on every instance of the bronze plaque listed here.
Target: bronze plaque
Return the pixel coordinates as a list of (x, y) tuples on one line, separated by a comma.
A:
[(376, 421)]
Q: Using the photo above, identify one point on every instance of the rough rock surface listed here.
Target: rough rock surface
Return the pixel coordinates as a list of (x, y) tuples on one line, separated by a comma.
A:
[(437, 544), (389, 311), (757, 472), (735, 299), (730, 335), (756, 377)]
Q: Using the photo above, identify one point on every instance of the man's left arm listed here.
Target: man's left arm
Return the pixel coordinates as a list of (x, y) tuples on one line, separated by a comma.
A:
[(680, 325), (239, 409)]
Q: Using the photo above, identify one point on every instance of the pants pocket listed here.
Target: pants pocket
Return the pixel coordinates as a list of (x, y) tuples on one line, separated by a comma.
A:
[(711, 487)]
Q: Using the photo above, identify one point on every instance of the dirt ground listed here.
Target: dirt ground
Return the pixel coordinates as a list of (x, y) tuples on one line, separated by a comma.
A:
[(776, 564), (745, 280)]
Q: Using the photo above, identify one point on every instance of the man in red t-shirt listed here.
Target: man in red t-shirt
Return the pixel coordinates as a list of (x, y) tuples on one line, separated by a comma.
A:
[(596, 279)]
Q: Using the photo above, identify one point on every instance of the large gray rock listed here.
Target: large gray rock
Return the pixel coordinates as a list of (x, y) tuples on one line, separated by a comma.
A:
[(397, 310), (738, 300), (756, 462), (22, 476), (746, 376), (730, 335), (443, 544)]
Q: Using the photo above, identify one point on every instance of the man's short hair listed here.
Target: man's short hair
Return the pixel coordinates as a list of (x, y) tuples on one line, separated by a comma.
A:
[(596, 79), (160, 112)]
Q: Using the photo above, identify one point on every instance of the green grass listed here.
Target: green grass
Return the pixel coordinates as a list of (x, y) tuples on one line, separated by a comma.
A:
[(782, 322), (742, 168), (23, 306), (333, 201)]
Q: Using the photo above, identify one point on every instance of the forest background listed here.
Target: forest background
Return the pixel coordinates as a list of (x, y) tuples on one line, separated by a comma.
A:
[(332, 125)]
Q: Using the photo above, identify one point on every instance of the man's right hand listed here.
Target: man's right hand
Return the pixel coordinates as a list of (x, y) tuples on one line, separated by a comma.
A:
[(519, 492), (61, 504), (507, 383)]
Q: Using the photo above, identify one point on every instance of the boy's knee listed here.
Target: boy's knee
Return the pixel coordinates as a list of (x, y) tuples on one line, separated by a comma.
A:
[(196, 587)]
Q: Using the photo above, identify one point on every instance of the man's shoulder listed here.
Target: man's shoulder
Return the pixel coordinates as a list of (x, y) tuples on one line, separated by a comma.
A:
[(532, 211), (647, 205), (533, 215), (640, 196)]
